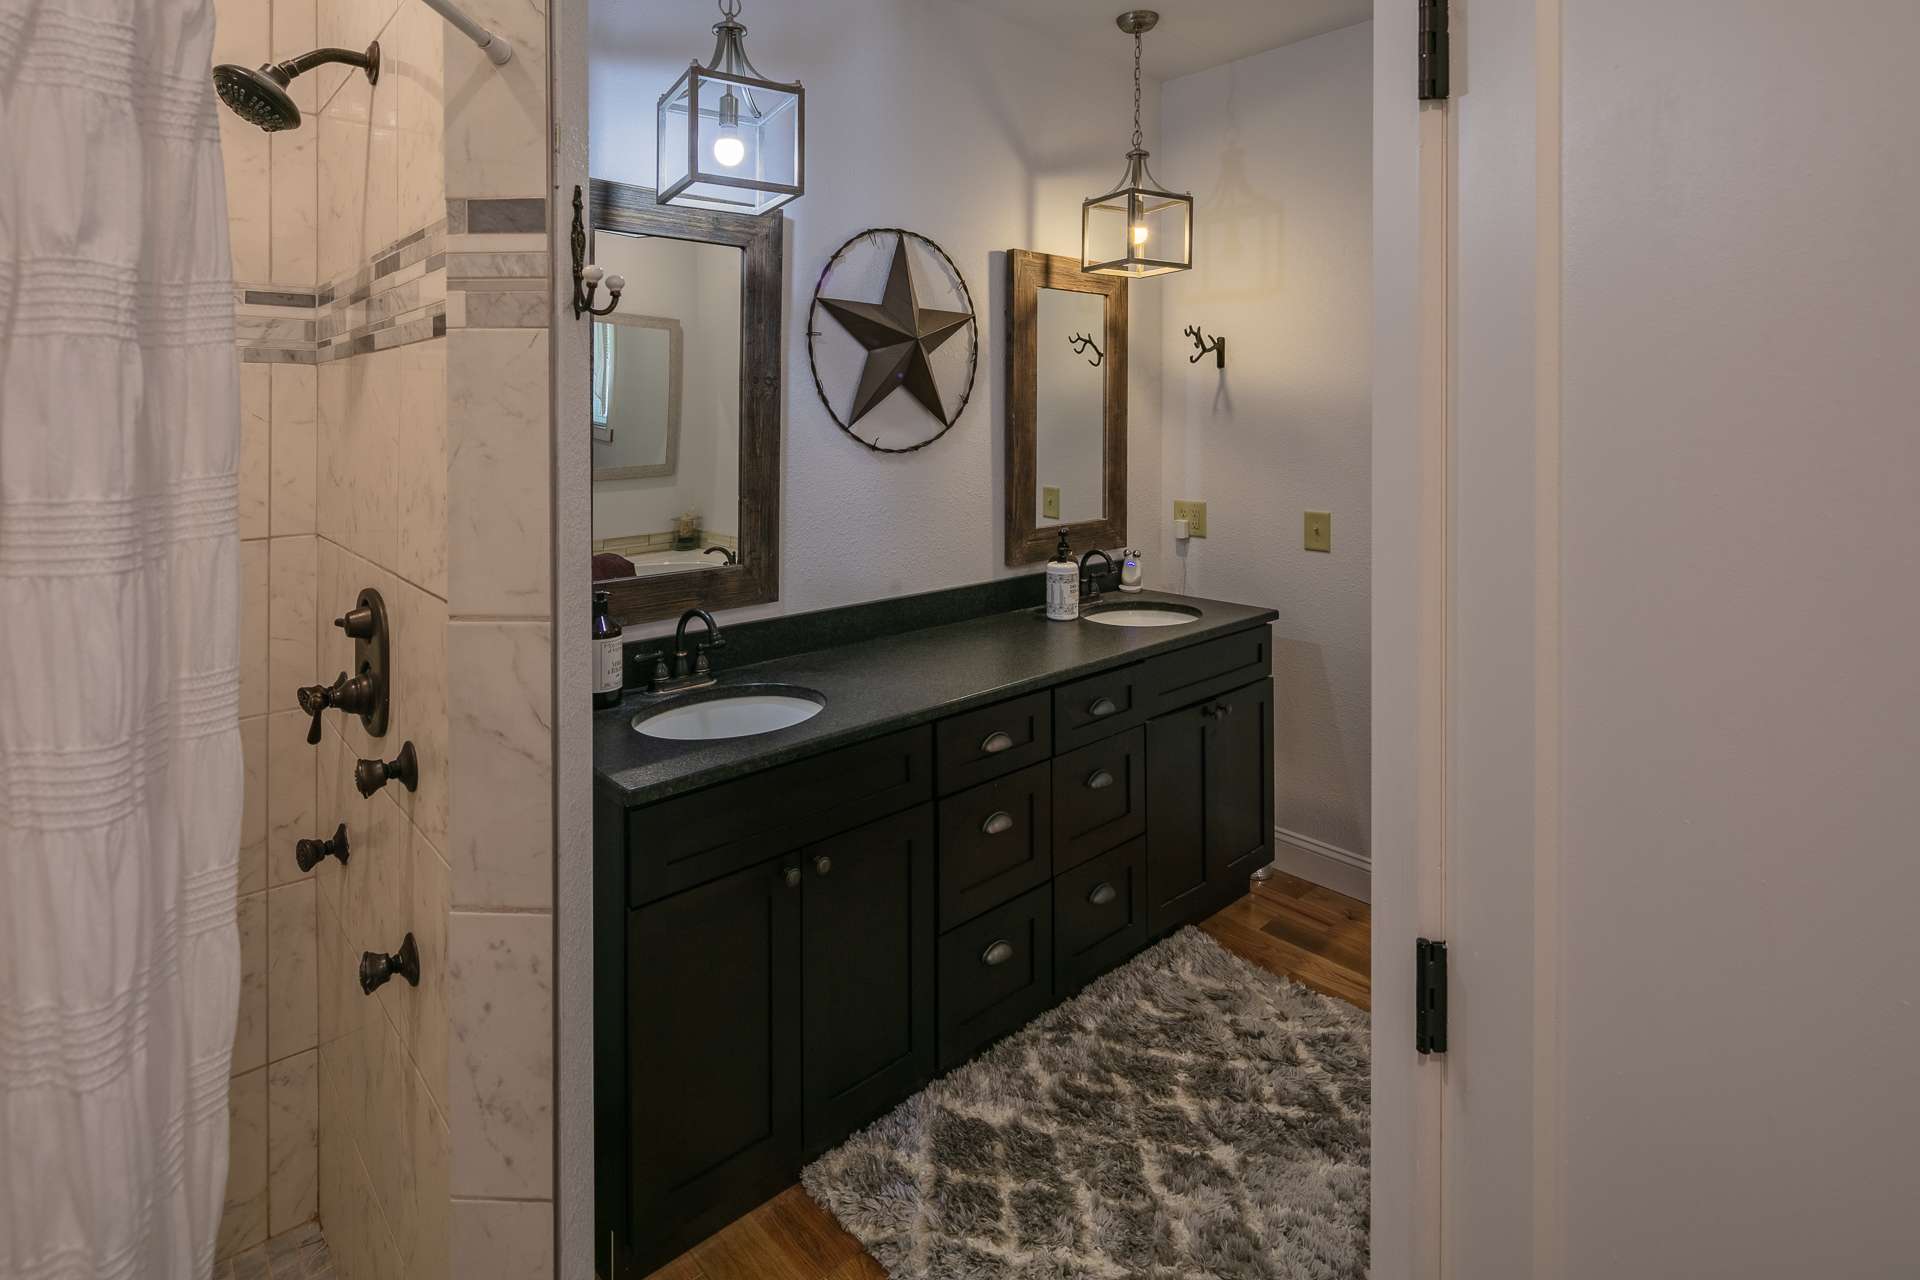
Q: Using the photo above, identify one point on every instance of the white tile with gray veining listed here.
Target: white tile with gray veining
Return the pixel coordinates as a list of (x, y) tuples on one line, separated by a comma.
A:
[(500, 1070)]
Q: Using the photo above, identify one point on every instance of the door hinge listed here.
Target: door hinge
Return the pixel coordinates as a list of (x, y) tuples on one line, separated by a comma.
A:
[(1430, 996), (1434, 59)]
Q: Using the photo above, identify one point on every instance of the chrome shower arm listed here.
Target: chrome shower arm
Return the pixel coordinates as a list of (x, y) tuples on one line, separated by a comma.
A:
[(498, 51)]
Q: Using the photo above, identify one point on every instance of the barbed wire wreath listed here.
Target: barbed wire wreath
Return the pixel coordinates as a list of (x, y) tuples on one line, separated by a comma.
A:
[(924, 330)]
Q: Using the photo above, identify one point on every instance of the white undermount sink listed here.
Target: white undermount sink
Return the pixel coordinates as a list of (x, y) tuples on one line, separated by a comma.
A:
[(730, 713), (1148, 614)]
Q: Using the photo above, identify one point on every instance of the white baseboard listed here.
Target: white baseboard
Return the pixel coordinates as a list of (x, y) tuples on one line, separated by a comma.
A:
[(1326, 865)]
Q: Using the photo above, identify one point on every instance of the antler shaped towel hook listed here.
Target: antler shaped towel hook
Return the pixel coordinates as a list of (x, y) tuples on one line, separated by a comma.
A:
[(1216, 345), (1082, 342)]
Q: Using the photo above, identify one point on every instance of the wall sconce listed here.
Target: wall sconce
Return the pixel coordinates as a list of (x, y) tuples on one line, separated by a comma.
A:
[(587, 279)]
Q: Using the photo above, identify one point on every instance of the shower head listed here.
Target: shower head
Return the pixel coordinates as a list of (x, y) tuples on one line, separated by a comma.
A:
[(261, 98)]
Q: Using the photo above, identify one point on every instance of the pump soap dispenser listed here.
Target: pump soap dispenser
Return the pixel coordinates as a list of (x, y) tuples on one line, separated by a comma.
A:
[(1130, 571), (1063, 583)]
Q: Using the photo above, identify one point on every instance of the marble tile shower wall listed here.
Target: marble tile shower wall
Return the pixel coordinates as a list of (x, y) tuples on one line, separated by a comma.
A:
[(273, 1102), (430, 354)]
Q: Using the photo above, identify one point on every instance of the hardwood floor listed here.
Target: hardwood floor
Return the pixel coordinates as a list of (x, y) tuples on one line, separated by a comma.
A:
[(1286, 925)]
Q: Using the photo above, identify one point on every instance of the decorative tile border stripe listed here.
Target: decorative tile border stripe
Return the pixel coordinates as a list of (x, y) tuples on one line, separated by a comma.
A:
[(274, 324), (499, 216)]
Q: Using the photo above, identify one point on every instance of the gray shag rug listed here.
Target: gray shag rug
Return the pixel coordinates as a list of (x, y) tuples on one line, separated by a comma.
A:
[(1187, 1115)]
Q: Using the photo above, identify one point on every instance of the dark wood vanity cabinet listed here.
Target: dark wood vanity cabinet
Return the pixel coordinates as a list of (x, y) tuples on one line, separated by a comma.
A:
[(784, 956), (1209, 803)]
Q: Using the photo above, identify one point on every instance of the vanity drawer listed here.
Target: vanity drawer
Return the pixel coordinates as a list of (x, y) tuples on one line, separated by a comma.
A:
[(1181, 678), (1099, 915), (996, 973), (1099, 797), (1099, 706), (691, 839), (977, 745), (996, 841)]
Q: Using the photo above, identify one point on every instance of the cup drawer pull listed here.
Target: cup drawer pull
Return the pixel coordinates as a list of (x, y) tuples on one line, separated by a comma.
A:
[(996, 742), (1099, 780), (1102, 894), (999, 953), (1102, 707), (998, 823)]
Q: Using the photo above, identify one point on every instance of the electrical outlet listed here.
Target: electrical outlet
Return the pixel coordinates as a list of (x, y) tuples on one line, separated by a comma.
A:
[(1195, 514), (1050, 502), (1319, 531)]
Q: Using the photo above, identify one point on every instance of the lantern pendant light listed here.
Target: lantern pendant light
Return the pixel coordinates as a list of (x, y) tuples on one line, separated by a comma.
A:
[(728, 137), (1138, 229)]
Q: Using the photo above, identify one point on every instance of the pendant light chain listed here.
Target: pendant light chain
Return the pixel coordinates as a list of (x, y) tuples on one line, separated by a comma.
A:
[(1137, 136)]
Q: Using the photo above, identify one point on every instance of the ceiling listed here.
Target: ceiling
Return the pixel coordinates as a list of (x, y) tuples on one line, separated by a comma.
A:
[(1193, 34)]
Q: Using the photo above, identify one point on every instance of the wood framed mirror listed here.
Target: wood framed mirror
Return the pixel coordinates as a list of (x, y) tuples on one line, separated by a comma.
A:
[(1066, 407), (696, 522)]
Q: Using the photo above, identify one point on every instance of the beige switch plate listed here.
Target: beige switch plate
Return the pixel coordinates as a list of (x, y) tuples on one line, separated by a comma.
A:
[(1195, 514), (1319, 531), (1050, 502)]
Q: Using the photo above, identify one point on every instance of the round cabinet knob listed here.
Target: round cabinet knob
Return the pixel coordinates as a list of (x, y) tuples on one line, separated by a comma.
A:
[(996, 742), (998, 953), (822, 864), (792, 876), (1101, 708), (376, 969), (1099, 780), (371, 775), (309, 853), (1102, 894), (998, 824)]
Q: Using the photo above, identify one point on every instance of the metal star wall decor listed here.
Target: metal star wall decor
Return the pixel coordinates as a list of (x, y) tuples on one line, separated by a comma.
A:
[(898, 335)]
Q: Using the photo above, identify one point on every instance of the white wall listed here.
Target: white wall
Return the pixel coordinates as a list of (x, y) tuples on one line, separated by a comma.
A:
[(1278, 151), (990, 139)]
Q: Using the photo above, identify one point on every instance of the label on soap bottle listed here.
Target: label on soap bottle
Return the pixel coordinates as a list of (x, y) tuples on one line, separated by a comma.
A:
[(606, 665)]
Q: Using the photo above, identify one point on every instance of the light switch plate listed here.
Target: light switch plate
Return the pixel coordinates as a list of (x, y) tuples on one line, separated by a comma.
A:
[(1195, 514), (1319, 531), (1050, 502)]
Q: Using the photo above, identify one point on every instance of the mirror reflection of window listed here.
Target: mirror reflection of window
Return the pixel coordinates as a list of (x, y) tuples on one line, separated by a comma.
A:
[(602, 380), (1070, 404), (666, 459)]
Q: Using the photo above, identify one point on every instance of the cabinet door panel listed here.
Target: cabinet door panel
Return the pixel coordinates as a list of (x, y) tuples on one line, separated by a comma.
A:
[(714, 1036), (1176, 817), (1239, 784), (867, 957)]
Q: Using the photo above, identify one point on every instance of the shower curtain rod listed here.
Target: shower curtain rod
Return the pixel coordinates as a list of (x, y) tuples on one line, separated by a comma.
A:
[(497, 49)]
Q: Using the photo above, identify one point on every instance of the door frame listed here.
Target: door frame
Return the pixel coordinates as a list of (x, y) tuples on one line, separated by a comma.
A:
[(1412, 558)]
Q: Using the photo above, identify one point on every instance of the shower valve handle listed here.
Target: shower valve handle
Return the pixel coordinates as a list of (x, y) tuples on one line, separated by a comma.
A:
[(377, 969), (309, 853), (360, 623), (355, 695), (371, 775)]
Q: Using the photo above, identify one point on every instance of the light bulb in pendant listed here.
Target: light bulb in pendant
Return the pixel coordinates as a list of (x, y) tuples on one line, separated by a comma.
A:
[(1140, 234), (728, 150)]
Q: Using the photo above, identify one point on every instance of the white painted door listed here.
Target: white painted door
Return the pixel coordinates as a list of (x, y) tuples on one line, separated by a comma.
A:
[(1680, 806)]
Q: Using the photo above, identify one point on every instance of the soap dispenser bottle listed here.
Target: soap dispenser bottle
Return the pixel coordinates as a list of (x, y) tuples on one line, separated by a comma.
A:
[(1130, 571), (608, 665), (1063, 583)]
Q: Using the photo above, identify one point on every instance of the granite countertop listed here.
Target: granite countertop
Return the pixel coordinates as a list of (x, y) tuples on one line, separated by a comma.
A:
[(877, 686)]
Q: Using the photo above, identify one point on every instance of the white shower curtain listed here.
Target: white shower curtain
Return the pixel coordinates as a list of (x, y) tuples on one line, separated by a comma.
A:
[(120, 770)]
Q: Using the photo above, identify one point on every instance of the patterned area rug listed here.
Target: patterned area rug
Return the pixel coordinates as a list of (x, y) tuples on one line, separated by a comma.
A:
[(1188, 1115)]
